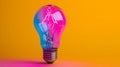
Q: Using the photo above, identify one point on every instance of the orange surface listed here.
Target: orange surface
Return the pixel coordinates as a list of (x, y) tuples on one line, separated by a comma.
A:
[(92, 33)]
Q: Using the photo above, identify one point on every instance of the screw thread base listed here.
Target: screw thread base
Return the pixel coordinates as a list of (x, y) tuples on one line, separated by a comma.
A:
[(50, 55)]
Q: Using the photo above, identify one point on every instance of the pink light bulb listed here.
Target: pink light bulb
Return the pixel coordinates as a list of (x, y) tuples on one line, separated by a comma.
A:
[(50, 22)]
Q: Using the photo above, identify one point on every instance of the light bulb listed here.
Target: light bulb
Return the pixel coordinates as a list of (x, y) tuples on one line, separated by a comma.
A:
[(49, 22)]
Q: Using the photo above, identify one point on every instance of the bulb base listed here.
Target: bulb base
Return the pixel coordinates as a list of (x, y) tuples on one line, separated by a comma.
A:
[(50, 55)]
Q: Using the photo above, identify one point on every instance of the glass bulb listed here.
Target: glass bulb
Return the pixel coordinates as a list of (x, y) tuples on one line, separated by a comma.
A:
[(49, 22)]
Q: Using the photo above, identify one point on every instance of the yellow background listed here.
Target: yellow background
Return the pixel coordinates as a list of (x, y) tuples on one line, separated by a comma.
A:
[(92, 33)]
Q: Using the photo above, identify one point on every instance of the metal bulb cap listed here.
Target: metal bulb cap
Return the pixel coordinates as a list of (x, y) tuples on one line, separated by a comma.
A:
[(50, 55)]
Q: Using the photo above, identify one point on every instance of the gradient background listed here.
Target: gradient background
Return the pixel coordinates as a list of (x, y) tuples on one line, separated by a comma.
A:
[(92, 33)]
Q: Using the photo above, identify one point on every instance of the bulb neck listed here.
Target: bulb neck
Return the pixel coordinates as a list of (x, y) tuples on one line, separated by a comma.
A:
[(50, 55)]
